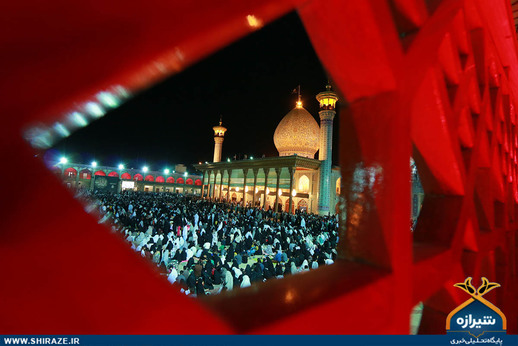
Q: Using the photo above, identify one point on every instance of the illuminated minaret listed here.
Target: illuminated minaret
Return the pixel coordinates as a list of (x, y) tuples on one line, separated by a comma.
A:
[(219, 136), (327, 113)]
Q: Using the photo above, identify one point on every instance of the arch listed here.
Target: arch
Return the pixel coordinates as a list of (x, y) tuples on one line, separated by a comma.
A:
[(180, 181), (197, 182), (170, 180), (234, 196), (138, 177), (85, 174), (126, 176), (113, 174), (280, 203), (70, 172), (160, 179), (287, 206), (149, 178), (100, 173), (304, 184), (338, 185), (302, 205), (189, 181)]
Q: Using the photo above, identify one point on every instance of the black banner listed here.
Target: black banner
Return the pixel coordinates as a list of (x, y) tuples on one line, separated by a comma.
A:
[(106, 184)]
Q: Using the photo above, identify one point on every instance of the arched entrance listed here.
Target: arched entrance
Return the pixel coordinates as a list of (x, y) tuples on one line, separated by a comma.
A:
[(287, 206), (303, 205), (85, 174)]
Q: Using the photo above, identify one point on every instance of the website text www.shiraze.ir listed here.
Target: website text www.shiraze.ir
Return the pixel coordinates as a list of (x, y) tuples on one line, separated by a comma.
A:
[(41, 341)]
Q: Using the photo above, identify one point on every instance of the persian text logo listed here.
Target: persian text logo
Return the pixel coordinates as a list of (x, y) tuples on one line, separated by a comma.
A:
[(476, 316)]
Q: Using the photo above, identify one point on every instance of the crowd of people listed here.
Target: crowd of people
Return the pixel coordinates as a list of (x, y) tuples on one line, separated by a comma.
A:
[(206, 247)]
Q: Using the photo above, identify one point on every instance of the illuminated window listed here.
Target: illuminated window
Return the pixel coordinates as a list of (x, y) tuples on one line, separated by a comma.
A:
[(304, 184), (338, 185), (128, 185)]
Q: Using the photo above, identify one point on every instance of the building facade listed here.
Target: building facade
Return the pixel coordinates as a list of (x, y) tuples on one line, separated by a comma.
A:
[(294, 179), (115, 179), (288, 182)]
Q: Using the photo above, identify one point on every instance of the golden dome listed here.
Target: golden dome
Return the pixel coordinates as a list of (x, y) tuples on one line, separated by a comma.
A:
[(297, 133)]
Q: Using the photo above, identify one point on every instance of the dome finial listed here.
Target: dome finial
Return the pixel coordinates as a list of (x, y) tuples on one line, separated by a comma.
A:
[(299, 100), (220, 119)]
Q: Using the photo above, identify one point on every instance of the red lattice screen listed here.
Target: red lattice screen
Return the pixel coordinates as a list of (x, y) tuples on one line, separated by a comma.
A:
[(433, 79)]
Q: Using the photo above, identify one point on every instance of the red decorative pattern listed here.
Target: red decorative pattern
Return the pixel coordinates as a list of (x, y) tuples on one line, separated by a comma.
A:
[(433, 79)]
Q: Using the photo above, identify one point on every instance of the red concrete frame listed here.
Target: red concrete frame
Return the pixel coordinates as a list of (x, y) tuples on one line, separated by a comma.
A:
[(435, 82)]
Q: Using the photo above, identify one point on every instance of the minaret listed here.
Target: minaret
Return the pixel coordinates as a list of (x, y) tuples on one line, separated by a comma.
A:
[(327, 100), (219, 136)]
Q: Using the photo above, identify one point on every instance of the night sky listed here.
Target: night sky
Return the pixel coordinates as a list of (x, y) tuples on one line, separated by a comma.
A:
[(249, 82)]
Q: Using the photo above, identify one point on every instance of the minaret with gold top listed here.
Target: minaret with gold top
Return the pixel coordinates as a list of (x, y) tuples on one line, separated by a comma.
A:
[(327, 100), (219, 136)]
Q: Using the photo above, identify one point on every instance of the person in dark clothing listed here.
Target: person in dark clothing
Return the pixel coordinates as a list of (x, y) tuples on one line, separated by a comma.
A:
[(200, 288), (267, 274), (278, 270), (217, 276), (191, 281), (256, 274)]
